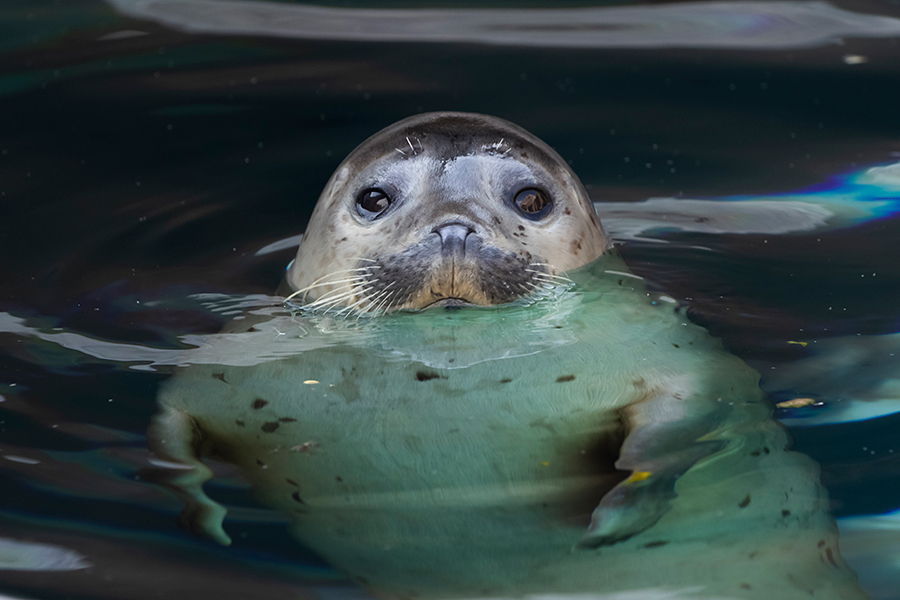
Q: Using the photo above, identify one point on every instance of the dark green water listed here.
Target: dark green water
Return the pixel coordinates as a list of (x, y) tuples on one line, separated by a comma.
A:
[(139, 169)]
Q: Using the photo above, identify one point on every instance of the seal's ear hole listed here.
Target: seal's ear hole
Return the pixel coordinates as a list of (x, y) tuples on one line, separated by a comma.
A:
[(533, 203), (371, 202)]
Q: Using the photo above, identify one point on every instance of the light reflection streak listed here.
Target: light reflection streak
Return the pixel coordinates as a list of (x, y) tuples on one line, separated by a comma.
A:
[(733, 25)]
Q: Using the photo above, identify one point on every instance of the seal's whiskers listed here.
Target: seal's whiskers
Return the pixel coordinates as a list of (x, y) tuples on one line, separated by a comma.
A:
[(324, 280), (376, 299), (548, 276), (384, 303), (332, 301)]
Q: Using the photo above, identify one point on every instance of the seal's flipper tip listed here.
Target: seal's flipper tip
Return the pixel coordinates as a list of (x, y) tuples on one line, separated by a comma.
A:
[(203, 517), (611, 525), (633, 506), (174, 438)]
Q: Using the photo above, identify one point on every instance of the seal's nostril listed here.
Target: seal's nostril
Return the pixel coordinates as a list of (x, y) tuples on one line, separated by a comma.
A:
[(453, 237)]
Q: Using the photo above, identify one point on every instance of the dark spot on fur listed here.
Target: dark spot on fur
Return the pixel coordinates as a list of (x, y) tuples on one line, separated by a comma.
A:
[(564, 378), (258, 403), (219, 376), (253, 329), (755, 453), (270, 426), (542, 422), (238, 422), (567, 211), (745, 502), (260, 463), (830, 554), (425, 376), (766, 450), (521, 228), (785, 513), (745, 586), (338, 479), (656, 544), (676, 345), (296, 496), (292, 482), (506, 380), (287, 420), (821, 544)]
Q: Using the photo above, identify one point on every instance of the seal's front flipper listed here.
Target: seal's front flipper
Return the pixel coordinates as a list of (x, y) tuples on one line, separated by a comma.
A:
[(637, 503), (663, 442), (629, 508), (176, 440)]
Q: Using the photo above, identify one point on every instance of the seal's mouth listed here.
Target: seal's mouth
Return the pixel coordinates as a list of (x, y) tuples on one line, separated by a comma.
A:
[(449, 303)]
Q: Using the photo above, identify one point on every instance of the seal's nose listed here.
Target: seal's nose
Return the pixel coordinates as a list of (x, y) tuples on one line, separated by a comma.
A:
[(453, 237)]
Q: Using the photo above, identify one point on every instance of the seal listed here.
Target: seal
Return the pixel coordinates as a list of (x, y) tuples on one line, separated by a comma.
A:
[(563, 431), (445, 208)]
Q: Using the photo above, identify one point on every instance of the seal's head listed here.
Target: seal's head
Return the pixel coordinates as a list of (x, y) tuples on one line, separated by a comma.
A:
[(445, 209)]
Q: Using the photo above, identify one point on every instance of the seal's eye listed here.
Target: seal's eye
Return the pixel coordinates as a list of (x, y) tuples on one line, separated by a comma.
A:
[(533, 203), (371, 202)]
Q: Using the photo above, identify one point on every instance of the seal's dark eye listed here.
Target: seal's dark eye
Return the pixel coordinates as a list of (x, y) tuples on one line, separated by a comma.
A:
[(533, 203), (372, 202)]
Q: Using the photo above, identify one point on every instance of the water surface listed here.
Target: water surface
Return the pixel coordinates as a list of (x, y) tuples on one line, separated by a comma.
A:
[(148, 157)]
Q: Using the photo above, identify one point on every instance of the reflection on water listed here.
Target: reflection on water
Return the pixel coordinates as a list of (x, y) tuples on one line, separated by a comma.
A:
[(844, 202), (24, 556), (740, 24)]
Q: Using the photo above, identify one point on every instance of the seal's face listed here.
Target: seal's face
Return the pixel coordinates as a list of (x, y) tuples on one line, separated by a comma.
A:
[(444, 209)]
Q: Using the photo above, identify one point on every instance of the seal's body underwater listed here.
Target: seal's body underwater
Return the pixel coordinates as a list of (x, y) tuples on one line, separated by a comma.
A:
[(552, 436)]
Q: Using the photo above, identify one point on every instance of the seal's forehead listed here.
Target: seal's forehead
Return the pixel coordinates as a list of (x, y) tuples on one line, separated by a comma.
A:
[(449, 135)]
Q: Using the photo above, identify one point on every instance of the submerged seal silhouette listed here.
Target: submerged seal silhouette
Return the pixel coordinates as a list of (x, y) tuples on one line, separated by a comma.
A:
[(589, 442), (445, 208)]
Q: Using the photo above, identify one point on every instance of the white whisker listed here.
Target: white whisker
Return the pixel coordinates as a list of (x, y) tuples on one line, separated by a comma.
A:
[(376, 301), (331, 300), (385, 303), (350, 307), (370, 300)]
